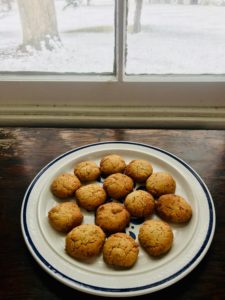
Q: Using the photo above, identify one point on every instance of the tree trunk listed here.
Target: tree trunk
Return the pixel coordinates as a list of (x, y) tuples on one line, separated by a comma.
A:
[(137, 16), (39, 24)]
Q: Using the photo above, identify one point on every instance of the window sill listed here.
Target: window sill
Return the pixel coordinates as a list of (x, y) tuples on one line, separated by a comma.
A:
[(105, 116)]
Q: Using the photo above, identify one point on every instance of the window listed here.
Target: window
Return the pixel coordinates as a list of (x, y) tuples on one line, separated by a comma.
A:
[(176, 37), (78, 37), (112, 53)]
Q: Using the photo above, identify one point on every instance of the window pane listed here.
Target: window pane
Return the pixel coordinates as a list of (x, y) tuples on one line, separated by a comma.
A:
[(176, 37), (62, 36)]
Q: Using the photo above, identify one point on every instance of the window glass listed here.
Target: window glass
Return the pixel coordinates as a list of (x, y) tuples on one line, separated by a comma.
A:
[(176, 37), (59, 36)]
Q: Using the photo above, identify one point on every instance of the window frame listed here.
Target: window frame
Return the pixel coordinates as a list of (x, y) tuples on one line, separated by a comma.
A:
[(114, 90)]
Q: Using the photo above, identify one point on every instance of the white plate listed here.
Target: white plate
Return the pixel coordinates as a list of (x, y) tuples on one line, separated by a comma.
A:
[(191, 241)]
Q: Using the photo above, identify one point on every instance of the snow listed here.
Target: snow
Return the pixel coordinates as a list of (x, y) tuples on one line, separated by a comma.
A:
[(175, 39), (83, 51)]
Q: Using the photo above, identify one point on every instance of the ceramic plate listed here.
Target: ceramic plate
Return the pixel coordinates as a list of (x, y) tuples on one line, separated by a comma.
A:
[(191, 241)]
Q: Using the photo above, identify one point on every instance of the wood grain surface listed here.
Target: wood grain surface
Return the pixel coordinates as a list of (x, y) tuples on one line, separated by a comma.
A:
[(24, 151)]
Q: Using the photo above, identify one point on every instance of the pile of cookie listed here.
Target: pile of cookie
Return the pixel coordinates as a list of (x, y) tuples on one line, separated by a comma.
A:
[(115, 202)]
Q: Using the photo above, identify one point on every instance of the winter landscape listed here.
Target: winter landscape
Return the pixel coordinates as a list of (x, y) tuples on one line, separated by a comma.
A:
[(174, 38)]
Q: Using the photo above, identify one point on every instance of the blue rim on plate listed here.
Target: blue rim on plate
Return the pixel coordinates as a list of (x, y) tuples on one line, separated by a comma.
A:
[(112, 291)]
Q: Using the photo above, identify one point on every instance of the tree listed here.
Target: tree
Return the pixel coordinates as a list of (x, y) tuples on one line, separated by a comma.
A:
[(39, 24), (137, 16)]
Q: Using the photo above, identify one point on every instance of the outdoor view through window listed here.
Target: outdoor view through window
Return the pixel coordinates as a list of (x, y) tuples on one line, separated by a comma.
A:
[(65, 36), (78, 36)]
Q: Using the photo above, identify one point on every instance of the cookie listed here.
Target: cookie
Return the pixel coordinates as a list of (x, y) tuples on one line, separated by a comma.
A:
[(90, 196), (87, 171), (112, 164), (156, 237), (65, 216), (160, 183), (85, 241), (139, 203), (139, 170), (173, 208), (118, 185), (65, 185), (120, 250), (112, 217)]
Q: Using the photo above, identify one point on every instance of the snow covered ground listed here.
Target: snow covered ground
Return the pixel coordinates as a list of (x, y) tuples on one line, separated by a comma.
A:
[(87, 45), (177, 39)]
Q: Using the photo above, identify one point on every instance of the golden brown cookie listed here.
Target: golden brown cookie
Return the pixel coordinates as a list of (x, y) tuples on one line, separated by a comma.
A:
[(118, 185), (65, 216), (139, 170), (139, 203), (90, 196), (65, 185), (112, 164), (112, 217), (160, 183), (120, 250), (87, 171), (156, 237), (85, 241), (173, 208)]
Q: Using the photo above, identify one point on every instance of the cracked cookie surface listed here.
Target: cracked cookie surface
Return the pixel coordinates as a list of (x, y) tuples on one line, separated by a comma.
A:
[(160, 183), (65, 185), (118, 185), (85, 241), (173, 208), (156, 237), (139, 203), (120, 250), (87, 171), (111, 164), (65, 216), (112, 217), (90, 196), (139, 170)]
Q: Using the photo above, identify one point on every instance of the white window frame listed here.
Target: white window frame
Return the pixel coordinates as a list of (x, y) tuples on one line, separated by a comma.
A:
[(205, 91)]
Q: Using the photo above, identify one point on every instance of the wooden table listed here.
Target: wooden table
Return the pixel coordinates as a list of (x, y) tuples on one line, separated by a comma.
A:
[(24, 151)]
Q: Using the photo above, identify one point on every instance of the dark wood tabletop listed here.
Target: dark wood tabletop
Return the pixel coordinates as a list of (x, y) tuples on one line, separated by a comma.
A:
[(24, 151)]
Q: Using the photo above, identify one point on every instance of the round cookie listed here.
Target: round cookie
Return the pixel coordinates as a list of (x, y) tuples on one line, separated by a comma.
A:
[(65, 185), (120, 250), (90, 196), (87, 171), (160, 183), (112, 164), (139, 170), (139, 203), (118, 185), (156, 237), (85, 241), (173, 208), (65, 216), (112, 217)]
